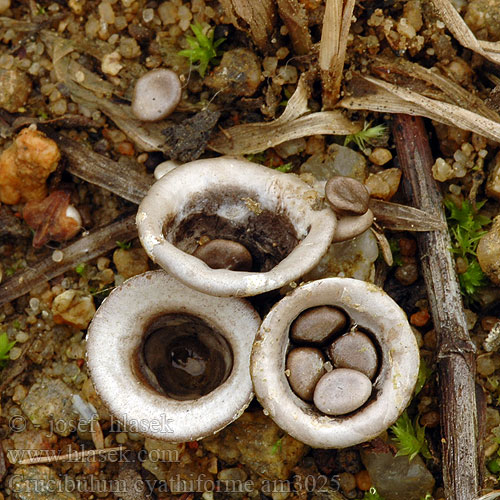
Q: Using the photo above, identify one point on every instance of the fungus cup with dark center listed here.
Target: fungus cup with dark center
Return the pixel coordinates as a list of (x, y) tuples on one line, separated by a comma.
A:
[(278, 218), (171, 362), (372, 310)]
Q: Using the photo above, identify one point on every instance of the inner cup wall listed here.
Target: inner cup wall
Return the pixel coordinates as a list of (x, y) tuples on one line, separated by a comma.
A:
[(238, 216), (181, 356)]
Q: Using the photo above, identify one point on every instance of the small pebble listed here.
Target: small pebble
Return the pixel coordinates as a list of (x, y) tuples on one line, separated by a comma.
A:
[(238, 73), (488, 252), (318, 325), (232, 474), (130, 262), (407, 247), (347, 481), (305, 365), (380, 156), (15, 352), (363, 480), (407, 274), (15, 88), (57, 256), (355, 350), (430, 419), (384, 184), (121, 438), (347, 196), (420, 318), (73, 308), (22, 337), (430, 340), (341, 391), (225, 254), (485, 365)]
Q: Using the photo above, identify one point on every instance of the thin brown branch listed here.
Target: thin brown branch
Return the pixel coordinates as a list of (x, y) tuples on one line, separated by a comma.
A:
[(86, 248), (100, 170), (455, 350)]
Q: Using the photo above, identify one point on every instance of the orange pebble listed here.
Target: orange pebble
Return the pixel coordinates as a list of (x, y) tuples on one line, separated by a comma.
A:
[(126, 148), (363, 480), (420, 318)]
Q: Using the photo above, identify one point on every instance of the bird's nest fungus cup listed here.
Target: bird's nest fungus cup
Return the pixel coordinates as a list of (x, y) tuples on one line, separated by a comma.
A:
[(335, 362), (264, 228), (171, 362)]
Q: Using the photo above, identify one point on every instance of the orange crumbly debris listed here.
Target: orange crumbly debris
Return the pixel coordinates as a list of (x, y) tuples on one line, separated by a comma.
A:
[(420, 318), (25, 166)]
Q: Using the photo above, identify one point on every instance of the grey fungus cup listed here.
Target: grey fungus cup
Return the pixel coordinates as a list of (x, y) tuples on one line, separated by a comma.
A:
[(156, 94), (123, 354), (276, 216), (370, 411)]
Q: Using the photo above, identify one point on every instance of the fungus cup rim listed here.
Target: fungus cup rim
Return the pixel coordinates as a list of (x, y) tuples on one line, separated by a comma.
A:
[(370, 308), (277, 191), (118, 330)]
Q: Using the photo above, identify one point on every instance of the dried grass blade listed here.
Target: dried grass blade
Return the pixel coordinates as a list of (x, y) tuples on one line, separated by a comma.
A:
[(376, 95), (258, 18), (404, 218), (294, 15), (454, 22), (91, 91), (384, 245), (389, 69), (333, 46), (256, 137), (292, 124)]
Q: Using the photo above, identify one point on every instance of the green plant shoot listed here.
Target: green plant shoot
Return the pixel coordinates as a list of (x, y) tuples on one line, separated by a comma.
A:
[(410, 438), (466, 229), (203, 48), (372, 494), (367, 135), (5, 347)]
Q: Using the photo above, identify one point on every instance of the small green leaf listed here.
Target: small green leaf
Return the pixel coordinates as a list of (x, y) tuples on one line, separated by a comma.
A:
[(493, 466), (124, 245), (367, 135), (286, 167), (424, 372), (278, 446), (396, 252), (5, 347), (410, 438), (372, 494), (466, 229), (203, 48), (81, 268)]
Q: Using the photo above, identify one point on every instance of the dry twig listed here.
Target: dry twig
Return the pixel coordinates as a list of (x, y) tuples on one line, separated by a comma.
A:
[(86, 248), (455, 350)]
